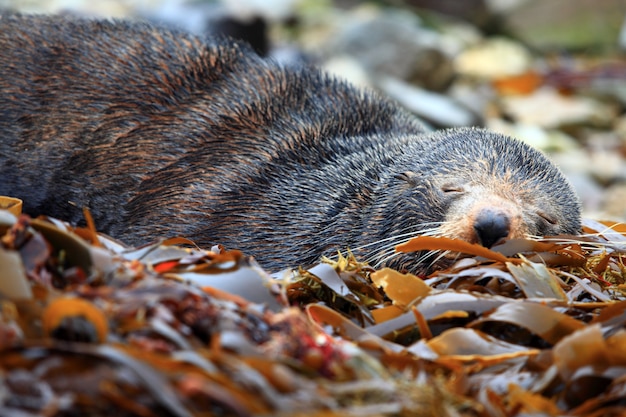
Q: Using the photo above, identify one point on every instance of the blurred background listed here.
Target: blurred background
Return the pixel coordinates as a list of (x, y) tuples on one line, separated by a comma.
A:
[(549, 72)]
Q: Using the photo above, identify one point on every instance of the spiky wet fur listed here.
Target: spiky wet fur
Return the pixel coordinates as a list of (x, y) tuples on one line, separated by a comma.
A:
[(161, 133)]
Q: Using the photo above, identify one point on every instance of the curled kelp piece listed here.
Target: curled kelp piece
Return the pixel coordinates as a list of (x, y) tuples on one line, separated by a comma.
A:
[(75, 319), (12, 205), (521, 321)]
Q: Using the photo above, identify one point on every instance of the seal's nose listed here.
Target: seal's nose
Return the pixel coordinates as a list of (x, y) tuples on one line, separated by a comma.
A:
[(491, 226)]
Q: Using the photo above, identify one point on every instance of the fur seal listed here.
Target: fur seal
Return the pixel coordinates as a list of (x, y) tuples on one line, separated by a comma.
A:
[(162, 133)]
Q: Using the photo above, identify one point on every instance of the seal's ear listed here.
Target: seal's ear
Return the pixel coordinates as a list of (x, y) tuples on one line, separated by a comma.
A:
[(409, 176)]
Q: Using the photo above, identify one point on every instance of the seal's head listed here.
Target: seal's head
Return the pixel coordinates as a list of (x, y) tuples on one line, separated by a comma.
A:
[(480, 187)]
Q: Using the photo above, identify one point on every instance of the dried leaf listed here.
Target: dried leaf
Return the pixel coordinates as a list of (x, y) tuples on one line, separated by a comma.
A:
[(468, 345), (13, 282), (387, 313), (523, 401), (403, 289), (12, 205), (76, 252), (610, 230), (63, 313), (539, 319), (588, 347), (524, 83), (421, 243), (537, 281)]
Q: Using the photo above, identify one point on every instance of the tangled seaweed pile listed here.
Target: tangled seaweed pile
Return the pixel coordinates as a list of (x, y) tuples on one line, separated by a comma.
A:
[(89, 327)]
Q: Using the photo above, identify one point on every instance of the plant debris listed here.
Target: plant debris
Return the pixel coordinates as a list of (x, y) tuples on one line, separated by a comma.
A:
[(91, 327)]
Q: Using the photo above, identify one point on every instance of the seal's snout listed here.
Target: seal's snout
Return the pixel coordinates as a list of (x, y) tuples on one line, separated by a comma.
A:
[(491, 226)]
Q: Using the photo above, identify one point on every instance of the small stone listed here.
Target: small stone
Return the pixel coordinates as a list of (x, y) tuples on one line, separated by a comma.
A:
[(561, 25), (550, 141), (619, 127), (433, 107), (348, 69), (592, 196), (549, 109), (622, 36), (614, 205), (273, 10), (607, 165), (396, 45), (494, 58)]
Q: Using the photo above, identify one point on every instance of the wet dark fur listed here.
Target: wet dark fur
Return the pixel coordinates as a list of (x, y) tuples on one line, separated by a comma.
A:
[(161, 133)]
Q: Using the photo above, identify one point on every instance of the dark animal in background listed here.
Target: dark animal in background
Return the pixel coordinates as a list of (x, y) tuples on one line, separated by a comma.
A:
[(161, 133)]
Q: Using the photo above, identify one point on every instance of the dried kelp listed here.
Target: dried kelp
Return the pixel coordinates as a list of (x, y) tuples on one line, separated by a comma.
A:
[(91, 327)]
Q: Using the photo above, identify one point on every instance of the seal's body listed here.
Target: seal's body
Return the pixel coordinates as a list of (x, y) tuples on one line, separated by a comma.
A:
[(161, 133)]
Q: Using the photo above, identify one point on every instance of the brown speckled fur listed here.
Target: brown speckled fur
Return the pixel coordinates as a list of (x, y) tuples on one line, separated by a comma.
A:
[(161, 133)]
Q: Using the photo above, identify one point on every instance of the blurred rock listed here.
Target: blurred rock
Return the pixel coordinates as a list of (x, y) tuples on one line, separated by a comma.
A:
[(614, 88), (547, 108), (456, 37), (193, 17), (473, 11), (349, 69), (592, 196), (550, 141), (434, 108), (112, 8), (397, 45), (601, 78), (614, 205), (567, 24), (478, 98), (576, 164), (607, 162), (433, 70), (607, 166), (501, 7), (622, 36), (271, 10), (619, 127), (494, 58)]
